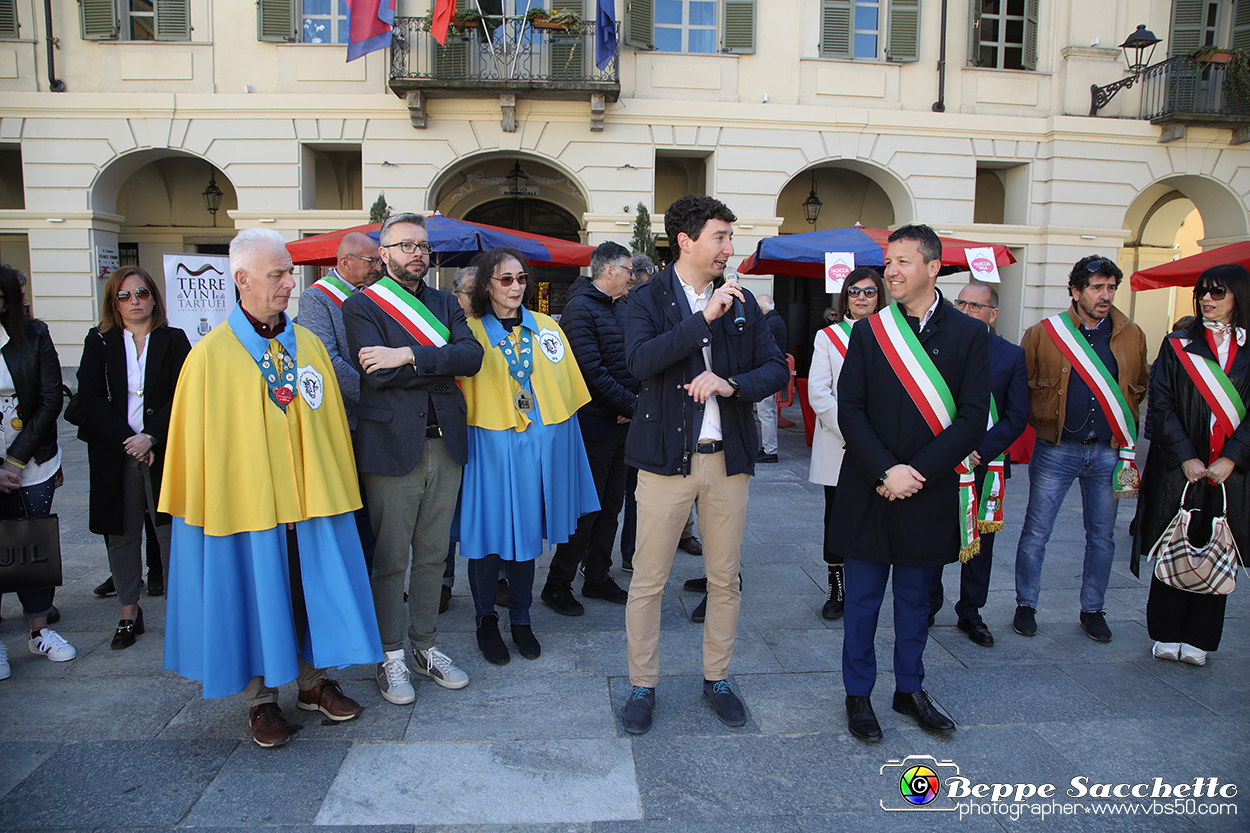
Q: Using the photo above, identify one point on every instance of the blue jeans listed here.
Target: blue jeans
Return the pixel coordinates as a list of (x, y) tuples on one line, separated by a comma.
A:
[(1051, 473), (484, 574)]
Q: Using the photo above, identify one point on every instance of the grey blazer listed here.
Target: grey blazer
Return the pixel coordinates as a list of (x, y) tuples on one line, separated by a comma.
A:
[(324, 318), (394, 402)]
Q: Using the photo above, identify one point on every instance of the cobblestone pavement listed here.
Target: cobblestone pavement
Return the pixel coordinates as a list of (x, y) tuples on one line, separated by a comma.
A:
[(111, 741)]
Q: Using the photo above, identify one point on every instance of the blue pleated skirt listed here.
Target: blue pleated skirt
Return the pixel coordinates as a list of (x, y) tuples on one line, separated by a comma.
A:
[(229, 616)]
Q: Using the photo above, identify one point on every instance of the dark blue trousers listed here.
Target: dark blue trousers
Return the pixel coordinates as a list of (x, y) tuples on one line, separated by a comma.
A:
[(865, 590)]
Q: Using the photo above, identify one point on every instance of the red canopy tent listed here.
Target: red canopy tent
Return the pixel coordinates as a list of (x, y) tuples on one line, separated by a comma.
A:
[(1185, 272)]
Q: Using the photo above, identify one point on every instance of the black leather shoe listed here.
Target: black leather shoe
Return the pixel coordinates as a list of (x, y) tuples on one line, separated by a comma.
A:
[(105, 588), (977, 631), (1025, 621), (636, 716), (695, 585), (127, 629), (691, 545), (560, 599), (491, 643), (766, 458), (861, 719), (156, 585), (725, 703), (608, 590), (919, 706), (700, 612), (525, 641)]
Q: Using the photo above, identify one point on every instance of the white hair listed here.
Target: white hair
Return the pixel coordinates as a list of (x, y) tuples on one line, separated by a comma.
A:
[(247, 243), (765, 302)]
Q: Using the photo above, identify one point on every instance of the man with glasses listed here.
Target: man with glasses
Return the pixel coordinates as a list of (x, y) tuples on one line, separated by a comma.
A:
[(1087, 375), (1009, 389), (410, 342), (596, 338)]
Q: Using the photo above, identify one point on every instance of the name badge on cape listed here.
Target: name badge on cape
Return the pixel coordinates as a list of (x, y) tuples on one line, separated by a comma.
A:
[(311, 386), (552, 345)]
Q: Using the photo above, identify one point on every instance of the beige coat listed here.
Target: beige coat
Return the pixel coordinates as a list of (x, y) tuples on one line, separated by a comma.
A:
[(828, 447)]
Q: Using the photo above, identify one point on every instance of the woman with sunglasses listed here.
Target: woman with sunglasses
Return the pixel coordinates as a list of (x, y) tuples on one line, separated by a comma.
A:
[(130, 365), (1194, 446), (863, 293), (527, 477)]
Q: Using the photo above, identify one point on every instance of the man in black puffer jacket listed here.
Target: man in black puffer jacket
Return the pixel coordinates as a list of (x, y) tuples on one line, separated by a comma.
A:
[(590, 323)]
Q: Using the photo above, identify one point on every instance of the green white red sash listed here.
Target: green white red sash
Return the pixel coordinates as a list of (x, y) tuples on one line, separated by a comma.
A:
[(335, 288), (1216, 389), (414, 316), (840, 335), (994, 487), (1077, 350), (921, 379)]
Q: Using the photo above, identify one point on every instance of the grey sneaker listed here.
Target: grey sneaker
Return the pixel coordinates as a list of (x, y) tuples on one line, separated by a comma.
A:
[(438, 667), (393, 679)]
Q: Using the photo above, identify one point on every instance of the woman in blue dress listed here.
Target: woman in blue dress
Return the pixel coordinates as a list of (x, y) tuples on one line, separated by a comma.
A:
[(527, 477)]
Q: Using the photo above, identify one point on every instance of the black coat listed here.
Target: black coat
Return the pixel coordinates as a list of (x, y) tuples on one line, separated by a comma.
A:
[(101, 372), (36, 372), (1009, 382), (664, 349), (594, 332), (777, 326), (1181, 419), (883, 427)]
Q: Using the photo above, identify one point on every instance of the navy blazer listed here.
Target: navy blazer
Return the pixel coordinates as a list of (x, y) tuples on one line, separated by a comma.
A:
[(664, 349), (883, 427), (1009, 382), (395, 401)]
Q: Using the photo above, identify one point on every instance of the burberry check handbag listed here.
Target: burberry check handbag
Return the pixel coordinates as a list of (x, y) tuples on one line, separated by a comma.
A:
[(1210, 568)]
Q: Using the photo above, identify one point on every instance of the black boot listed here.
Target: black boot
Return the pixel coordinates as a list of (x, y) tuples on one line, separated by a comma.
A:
[(837, 594)]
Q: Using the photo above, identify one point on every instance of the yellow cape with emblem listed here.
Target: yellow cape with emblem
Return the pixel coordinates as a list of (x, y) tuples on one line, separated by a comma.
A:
[(558, 386), (236, 462)]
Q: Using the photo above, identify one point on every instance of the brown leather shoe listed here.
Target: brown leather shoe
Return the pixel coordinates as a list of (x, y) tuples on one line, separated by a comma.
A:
[(326, 697), (268, 727)]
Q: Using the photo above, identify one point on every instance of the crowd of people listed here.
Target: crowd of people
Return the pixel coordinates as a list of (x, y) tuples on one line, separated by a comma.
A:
[(307, 484)]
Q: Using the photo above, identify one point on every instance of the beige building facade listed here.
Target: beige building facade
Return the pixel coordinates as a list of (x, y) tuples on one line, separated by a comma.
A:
[(977, 125)]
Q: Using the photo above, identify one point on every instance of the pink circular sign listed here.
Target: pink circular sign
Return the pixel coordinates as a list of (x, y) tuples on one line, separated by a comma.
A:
[(838, 271), (983, 265)]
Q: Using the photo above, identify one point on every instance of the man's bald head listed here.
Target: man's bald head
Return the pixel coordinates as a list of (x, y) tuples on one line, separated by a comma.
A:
[(358, 261)]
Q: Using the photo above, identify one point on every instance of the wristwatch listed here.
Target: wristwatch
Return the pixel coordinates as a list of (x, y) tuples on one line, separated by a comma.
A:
[(733, 383), (884, 475)]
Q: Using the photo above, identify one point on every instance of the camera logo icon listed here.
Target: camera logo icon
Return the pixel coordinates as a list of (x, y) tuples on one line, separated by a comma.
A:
[(917, 783)]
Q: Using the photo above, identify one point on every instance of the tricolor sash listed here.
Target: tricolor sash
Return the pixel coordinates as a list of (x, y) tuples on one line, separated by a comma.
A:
[(414, 316), (1077, 350), (1217, 390), (840, 335), (335, 288), (994, 487), (921, 379)]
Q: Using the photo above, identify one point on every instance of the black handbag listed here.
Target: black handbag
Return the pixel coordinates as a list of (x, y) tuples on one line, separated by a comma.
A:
[(30, 554)]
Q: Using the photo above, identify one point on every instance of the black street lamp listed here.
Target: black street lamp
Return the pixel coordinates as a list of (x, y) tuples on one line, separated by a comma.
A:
[(1139, 41), (212, 194), (811, 205)]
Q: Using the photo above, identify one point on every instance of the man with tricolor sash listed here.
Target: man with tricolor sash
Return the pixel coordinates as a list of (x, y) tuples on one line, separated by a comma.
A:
[(410, 342), (913, 403), (1009, 413), (1087, 377)]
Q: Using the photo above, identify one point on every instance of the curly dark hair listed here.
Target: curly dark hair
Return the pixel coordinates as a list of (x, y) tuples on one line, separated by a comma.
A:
[(690, 214), (1087, 267), (487, 263), (857, 275), (1230, 276)]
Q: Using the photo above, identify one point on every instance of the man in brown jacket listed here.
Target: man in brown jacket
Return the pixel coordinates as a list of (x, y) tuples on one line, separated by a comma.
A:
[(1087, 376)]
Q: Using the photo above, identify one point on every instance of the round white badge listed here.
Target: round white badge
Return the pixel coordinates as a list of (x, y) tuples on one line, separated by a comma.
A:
[(552, 345), (311, 386)]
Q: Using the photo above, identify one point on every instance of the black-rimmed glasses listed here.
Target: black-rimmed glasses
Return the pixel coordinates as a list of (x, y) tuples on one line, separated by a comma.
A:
[(143, 292), (409, 248), (972, 306)]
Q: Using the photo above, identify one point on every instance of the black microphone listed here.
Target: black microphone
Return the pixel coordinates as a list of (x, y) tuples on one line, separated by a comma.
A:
[(739, 318)]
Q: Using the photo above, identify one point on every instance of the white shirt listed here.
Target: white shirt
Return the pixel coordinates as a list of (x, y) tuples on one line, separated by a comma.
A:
[(937, 299), (697, 302), (136, 373)]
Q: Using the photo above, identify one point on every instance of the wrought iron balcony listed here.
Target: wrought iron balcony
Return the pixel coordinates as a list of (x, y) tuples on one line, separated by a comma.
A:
[(1183, 91), (505, 56)]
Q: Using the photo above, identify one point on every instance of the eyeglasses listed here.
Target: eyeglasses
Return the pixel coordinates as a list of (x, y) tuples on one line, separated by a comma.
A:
[(1216, 293), (506, 280), (408, 247), (372, 261), (644, 272), (972, 306), (864, 291), (143, 292)]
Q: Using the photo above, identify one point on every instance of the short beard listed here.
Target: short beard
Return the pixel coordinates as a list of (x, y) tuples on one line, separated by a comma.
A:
[(402, 275)]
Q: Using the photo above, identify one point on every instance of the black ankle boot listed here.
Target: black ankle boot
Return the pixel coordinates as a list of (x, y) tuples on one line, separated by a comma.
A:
[(837, 594), (490, 642)]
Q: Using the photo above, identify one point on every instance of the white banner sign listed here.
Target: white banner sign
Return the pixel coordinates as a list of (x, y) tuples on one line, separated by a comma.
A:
[(199, 292), (837, 266), (982, 265)]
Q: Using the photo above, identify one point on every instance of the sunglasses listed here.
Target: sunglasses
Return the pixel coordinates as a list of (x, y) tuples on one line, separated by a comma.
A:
[(506, 280), (973, 306), (864, 291), (1100, 265), (143, 292), (1216, 293), (408, 247)]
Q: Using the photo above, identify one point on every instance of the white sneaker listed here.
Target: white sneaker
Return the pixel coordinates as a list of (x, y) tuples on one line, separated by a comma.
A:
[(393, 679), (438, 667), (5, 671), (52, 645), (1192, 655), (1167, 650)]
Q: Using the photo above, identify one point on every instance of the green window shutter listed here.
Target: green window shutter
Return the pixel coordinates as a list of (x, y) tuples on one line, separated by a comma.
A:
[(275, 21), (451, 60), (974, 33), (835, 29), (98, 19), (640, 24), (8, 18), (567, 53), (904, 35), (1030, 34), (173, 20), (739, 26), (1186, 33), (1241, 25)]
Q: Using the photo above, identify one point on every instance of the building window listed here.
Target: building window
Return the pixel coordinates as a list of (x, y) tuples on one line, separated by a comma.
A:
[(325, 21), (1003, 34), (135, 20), (867, 27), (870, 29), (691, 26), (685, 26), (1198, 23)]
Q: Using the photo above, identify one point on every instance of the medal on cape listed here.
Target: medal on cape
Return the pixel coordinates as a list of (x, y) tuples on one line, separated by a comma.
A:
[(524, 401), (16, 423), (279, 372), (284, 395)]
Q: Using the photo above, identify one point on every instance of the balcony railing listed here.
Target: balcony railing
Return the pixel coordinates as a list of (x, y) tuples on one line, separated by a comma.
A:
[(1183, 90), (507, 54)]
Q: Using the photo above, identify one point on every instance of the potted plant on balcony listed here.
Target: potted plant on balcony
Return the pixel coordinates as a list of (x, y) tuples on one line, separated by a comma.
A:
[(547, 19), (1236, 67), (466, 20)]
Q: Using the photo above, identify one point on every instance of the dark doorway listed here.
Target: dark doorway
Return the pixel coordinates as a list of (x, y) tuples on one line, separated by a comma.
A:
[(537, 217)]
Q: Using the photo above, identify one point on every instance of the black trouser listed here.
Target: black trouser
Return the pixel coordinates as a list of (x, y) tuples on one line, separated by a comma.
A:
[(974, 575), (596, 531)]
